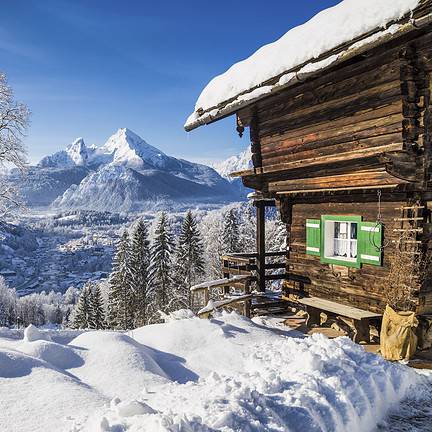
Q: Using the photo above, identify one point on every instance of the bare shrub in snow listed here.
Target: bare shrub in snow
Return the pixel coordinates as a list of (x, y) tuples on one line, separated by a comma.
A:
[(404, 278)]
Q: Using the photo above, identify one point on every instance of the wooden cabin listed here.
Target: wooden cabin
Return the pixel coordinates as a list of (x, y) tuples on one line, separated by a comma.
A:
[(342, 143)]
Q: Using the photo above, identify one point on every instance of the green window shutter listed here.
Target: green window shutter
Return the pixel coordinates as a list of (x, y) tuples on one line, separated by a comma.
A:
[(313, 237), (369, 243)]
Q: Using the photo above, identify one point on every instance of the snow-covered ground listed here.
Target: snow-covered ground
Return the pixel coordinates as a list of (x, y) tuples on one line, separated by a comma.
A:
[(225, 374)]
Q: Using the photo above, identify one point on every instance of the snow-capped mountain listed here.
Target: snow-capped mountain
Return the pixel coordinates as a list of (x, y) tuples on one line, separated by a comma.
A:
[(126, 173), (76, 154), (240, 162), (128, 149)]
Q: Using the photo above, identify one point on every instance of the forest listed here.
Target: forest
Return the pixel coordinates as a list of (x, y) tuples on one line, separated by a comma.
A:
[(155, 263)]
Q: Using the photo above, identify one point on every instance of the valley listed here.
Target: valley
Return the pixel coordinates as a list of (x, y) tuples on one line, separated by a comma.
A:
[(79, 200), (53, 251)]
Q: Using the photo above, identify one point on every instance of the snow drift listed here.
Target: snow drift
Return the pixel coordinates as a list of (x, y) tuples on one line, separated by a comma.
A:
[(227, 374)]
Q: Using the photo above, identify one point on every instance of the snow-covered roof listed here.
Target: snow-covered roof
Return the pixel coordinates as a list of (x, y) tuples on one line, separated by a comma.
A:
[(330, 37)]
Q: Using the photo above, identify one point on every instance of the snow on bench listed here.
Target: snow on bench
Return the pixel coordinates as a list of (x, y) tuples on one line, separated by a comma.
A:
[(220, 282)]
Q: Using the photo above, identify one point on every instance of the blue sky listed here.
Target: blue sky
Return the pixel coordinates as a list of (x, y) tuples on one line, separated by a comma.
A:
[(87, 68)]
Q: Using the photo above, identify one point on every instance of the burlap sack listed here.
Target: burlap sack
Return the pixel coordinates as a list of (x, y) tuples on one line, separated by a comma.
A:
[(398, 337)]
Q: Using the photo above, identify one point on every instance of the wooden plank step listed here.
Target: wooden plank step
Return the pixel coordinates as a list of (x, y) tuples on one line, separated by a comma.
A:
[(275, 265), (219, 283), (241, 260), (235, 271), (409, 208), (278, 311), (338, 308), (408, 229), (264, 305), (277, 276), (409, 219)]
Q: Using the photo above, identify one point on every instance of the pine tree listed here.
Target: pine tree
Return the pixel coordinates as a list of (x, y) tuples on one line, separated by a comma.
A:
[(120, 299), (97, 309), (82, 313), (247, 228), (231, 232), (141, 282), (189, 260), (161, 264)]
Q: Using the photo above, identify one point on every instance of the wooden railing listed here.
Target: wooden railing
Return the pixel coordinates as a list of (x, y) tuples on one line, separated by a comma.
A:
[(240, 271), (249, 264)]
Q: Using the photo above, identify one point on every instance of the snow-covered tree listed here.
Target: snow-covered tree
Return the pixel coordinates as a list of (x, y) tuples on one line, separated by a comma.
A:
[(247, 228), (97, 312), (8, 304), (120, 301), (276, 235), (14, 117), (211, 227), (231, 231), (82, 315), (142, 286), (161, 264), (189, 260)]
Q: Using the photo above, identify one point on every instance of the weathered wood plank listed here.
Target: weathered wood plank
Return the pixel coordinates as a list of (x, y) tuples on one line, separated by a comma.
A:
[(374, 115), (351, 132), (334, 158), (360, 179), (367, 143)]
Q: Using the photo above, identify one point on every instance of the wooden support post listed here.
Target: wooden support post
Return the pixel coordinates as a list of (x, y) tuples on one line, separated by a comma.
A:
[(247, 303), (226, 288), (314, 316), (260, 241), (361, 331)]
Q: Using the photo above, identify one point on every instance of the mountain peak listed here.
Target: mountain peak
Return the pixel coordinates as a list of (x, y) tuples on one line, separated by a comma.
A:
[(128, 148), (239, 162), (77, 151)]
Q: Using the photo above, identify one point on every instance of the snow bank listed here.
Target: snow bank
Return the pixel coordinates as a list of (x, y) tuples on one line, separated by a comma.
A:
[(226, 374), (35, 396), (32, 333), (115, 364), (328, 29), (253, 378)]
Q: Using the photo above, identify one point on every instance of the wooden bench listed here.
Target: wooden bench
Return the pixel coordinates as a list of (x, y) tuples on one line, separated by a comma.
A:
[(359, 318)]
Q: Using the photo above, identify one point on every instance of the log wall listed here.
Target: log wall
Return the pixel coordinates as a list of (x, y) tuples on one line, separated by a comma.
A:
[(354, 108), (326, 146), (364, 287), (367, 114)]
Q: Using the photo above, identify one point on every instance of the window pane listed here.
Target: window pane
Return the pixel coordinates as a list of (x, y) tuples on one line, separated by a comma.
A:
[(345, 240), (353, 231)]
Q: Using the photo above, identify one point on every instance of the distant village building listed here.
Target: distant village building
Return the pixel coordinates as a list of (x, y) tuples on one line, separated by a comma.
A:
[(339, 118)]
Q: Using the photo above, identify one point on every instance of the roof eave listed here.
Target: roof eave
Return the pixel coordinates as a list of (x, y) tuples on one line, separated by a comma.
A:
[(227, 108)]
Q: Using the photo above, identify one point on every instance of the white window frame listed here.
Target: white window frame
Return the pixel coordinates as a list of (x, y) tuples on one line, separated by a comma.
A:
[(329, 240)]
